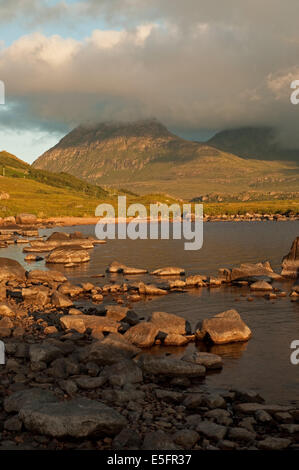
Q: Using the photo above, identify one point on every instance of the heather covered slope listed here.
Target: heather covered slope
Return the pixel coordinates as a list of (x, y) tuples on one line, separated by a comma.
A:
[(145, 154)]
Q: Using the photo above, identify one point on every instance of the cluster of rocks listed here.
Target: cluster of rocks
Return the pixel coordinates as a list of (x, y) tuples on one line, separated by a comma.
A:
[(71, 391)]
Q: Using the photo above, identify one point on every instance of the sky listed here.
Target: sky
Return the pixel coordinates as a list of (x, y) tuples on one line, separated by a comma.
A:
[(198, 66)]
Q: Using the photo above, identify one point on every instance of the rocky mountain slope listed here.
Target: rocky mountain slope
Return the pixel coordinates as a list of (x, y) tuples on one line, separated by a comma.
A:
[(146, 156)]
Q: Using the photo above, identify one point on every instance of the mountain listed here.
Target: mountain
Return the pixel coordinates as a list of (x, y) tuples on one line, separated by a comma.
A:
[(144, 156), (253, 142)]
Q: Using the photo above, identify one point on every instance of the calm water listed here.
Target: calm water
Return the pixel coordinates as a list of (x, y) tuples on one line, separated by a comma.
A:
[(263, 363)]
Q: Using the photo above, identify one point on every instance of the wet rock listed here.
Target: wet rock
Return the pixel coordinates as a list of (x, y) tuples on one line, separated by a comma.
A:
[(73, 254), (290, 262), (247, 396), (32, 257), (142, 335), (150, 289), (78, 418), (116, 312), (158, 440), (170, 367), (195, 281), (211, 430), (170, 323), (248, 270), (175, 340), (169, 271), (226, 327), (90, 383), (261, 286), (177, 284), (11, 270), (209, 360)]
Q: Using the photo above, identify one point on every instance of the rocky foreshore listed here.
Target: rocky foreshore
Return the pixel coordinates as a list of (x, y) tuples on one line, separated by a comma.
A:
[(83, 377)]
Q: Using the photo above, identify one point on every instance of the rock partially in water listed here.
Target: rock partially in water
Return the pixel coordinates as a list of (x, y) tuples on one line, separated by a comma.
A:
[(142, 335), (61, 300), (261, 286), (150, 289), (226, 327), (170, 323), (170, 367), (38, 275), (169, 271), (116, 267), (209, 360), (74, 254), (290, 262), (97, 324)]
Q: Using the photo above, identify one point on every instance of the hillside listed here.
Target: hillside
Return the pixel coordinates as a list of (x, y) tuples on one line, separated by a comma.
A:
[(252, 142), (145, 156)]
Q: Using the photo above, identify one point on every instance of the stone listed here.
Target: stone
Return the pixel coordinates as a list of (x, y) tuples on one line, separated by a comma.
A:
[(73, 254), (11, 270), (158, 440), (90, 383), (169, 396), (175, 340), (116, 312), (36, 295), (6, 311), (142, 335), (169, 271), (209, 360), (262, 416), (211, 430), (70, 289), (44, 352), (274, 443), (75, 311), (77, 418), (60, 300), (127, 439), (186, 438), (241, 434), (290, 262), (150, 289), (213, 400), (170, 367), (38, 275), (261, 286), (81, 322), (195, 280), (250, 270), (170, 323), (226, 327), (26, 219), (122, 373), (13, 424), (247, 396), (252, 408), (27, 397)]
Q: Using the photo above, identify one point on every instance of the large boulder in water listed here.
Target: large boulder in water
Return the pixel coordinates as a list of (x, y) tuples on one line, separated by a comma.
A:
[(142, 335), (226, 327), (170, 323), (64, 255), (290, 262), (170, 367), (251, 270), (11, 270)]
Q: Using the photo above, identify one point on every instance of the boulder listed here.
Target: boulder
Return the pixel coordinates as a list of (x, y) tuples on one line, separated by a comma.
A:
[(36, 295), (173, 339), (261, 286), (142, 335), (27, 397), (290, 262), (116, 267), (208, 360), (74, 254), (58, 236), (170, 367), (44, 352), (116, 312), (226, 327), (122, 373), (76, 418), (60, 300), (170, 323), (169, 271), (6, 311), (81, 322), (38, 275), (150, 289), (111, 350), (248, 270), (26, 219), (70, 289), (11, 270)]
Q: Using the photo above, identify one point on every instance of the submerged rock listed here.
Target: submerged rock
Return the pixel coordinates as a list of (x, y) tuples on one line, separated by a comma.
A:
[(169, 271), (226, 327)]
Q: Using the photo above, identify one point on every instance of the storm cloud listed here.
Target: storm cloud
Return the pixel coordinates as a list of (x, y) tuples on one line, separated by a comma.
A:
[(194, 65)]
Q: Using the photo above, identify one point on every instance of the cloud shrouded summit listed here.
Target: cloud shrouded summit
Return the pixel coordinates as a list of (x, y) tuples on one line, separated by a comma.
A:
[(193, 65)]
